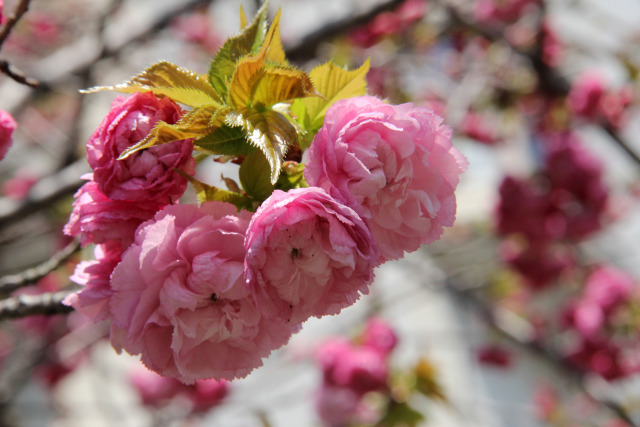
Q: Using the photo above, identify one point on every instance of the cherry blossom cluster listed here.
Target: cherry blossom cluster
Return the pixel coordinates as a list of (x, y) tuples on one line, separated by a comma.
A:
[(350, 370), (388, 23), (600, 318), (208, 291), (564, 202), (591, 99), (156, 391)]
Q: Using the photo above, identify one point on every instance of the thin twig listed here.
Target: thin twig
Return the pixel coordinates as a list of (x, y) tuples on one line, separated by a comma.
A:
[(13, 19), (17, 74), (30, 276), (47, 304)]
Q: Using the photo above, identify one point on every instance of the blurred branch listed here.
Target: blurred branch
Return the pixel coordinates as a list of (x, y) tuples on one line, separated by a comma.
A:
[(13, 19), (17, 74), (8, 69), (46, 191), (47, 304), (518, 331), (307, 47), (12, 282)]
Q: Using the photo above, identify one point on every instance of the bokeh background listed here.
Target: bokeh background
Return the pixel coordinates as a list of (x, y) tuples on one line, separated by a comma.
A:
[(515, 329)]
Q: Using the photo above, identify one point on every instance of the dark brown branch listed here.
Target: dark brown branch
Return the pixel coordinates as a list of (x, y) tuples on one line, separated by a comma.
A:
[(30, 276), (307, 47), (47, 304), (17, 74), (13, 19)]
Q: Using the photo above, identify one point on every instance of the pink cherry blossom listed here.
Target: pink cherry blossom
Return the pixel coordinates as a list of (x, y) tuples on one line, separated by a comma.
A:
[(394, 165), (153, 389), (359, 368), (206, 394), (307, 255), (146, 175), (93, 299), (379, 336), (608, 287), (179, 298), (7, 127), (97, 219)]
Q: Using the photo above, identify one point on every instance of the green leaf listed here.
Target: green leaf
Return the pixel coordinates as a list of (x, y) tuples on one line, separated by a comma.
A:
[(206, 192), (167, 79), (254, 176), (270, 131), (333, 83), (400, 414), (194, 124), (291, 176), (224, 63), (225, 140)]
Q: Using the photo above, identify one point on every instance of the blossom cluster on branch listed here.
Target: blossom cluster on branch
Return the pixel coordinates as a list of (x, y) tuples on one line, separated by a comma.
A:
[(208, 290)]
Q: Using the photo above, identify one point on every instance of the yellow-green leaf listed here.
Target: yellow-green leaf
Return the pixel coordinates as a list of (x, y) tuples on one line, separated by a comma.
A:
[(260, 85), (270, 131), (167, 79), (224, 63), (281, 85), (207, 193), (194, 124), (333, 83), (225, 140)]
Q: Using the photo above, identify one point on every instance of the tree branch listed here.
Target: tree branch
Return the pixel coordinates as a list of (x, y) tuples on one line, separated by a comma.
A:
[(13, 19), (47, 304), (30, 276)]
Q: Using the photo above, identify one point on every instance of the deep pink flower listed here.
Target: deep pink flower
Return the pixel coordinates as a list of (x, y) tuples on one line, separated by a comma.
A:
[(98, 219), (394, 165), (379, 336), (585, 95), (93, 299), (7, 127), (359, 368), (179, 297), (307, 255), (494, 355), (206, 394), (147, 175)]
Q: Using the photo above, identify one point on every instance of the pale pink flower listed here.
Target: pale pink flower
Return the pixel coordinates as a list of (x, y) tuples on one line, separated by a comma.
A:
[(394, 165), (7, 127), (155, 390), (98, 219), (336, 406), (307, 255), (93, 299), (179, 297), (146, 175)]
